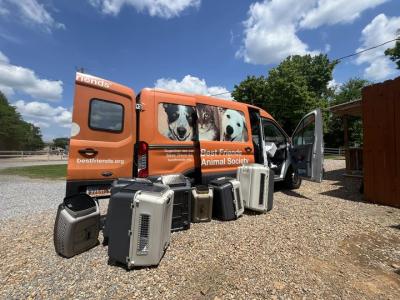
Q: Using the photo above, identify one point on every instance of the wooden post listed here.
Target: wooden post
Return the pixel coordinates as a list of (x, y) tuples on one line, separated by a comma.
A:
[(346, 142)]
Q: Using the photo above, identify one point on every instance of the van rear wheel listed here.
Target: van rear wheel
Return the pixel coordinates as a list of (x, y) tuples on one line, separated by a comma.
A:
[(292, 179)]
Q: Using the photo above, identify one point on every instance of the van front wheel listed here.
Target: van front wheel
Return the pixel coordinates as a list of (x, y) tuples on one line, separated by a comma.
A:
[(292, 179)]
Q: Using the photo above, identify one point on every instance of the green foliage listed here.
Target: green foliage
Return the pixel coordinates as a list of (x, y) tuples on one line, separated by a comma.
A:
[(252, 90), (292, 89), (349, 91), (15, 133), (61, 142), (394, 53)]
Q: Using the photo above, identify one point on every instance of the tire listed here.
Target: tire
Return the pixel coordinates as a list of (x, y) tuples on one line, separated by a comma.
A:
[(292, 180)]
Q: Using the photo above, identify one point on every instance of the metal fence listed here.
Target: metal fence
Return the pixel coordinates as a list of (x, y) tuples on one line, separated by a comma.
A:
[(33, 155), (334, 151)]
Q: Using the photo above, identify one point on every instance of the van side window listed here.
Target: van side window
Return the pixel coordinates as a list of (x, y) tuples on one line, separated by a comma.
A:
[(272, 133), (221, 124), (106, 115), (304, 134), (177, 122)]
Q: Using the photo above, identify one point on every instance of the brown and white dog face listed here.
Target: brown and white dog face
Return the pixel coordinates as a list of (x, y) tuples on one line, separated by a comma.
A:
[(180, 121), (233, 126)]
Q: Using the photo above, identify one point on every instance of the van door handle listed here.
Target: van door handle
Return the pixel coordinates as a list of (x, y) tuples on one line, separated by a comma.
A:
[(106, 174), (88, 152), (247, 149)]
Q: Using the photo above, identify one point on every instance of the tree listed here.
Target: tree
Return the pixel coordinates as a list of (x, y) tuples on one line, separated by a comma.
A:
[(349, 91), (15, 133), (296, 86), (394, 53), (252, 90), (33, 140), (61, 142)]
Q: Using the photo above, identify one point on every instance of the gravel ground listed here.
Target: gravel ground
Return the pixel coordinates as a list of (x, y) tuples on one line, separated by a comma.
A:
[(22, 196), (318, 242)]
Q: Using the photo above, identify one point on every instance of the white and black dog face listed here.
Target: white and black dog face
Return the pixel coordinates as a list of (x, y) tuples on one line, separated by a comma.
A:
[(233, 126), (180, 121)]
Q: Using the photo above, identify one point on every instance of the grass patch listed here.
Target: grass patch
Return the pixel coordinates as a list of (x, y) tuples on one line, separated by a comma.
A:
[(44, 171)]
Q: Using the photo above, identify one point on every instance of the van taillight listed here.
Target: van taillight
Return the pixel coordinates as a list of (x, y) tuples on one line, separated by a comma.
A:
[(143, 158)]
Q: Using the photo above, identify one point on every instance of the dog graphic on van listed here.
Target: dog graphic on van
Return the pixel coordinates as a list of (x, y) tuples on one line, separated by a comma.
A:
[(208, 122), (233, 126), (180, 122)]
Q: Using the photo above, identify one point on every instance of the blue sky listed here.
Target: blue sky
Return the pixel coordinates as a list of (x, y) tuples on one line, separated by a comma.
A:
[(199, 46)]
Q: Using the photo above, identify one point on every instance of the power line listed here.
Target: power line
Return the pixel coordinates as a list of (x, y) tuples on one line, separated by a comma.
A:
[(368, 49), (220, 94), (339, 59)]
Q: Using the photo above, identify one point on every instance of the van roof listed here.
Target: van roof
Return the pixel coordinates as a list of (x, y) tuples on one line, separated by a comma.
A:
[(103, 84), (210, 100)]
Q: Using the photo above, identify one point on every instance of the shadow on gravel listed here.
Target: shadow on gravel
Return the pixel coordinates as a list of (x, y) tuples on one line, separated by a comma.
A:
[(252, 212), (294, 194), (280, 187), (395, 226), (346, 188), (120, 265)]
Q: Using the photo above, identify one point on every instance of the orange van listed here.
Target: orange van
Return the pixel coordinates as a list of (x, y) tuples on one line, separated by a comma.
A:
[(116, 133)]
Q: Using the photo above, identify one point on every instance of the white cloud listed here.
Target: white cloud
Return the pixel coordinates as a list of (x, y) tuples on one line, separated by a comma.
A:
[(3, 59), (270, 32), (160, 8), (15, 78), (31, 12), (40, 124), (380, 30), (193, 85), (6, 90), (327, 48), (328, 12), (41, 112), (64, 119), (333, 84)]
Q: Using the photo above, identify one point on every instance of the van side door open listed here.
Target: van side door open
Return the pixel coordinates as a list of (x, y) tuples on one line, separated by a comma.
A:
[(307, 147), (102, 134)]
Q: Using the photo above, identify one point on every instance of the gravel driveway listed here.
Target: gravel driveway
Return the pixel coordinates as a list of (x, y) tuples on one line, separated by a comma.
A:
[(318, 242), (21, 196)]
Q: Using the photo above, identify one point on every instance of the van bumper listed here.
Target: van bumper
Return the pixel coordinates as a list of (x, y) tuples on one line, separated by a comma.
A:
[(74, 187)]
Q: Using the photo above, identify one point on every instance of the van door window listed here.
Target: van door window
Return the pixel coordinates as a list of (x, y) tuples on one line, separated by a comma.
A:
[(221, 124), (177, 122), (106, 115), (256, 134), (272, 135), (307, 150), (304, 135)]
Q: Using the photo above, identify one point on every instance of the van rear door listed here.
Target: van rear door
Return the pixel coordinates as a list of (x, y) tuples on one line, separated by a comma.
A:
[(102, 135), (307, 147)]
